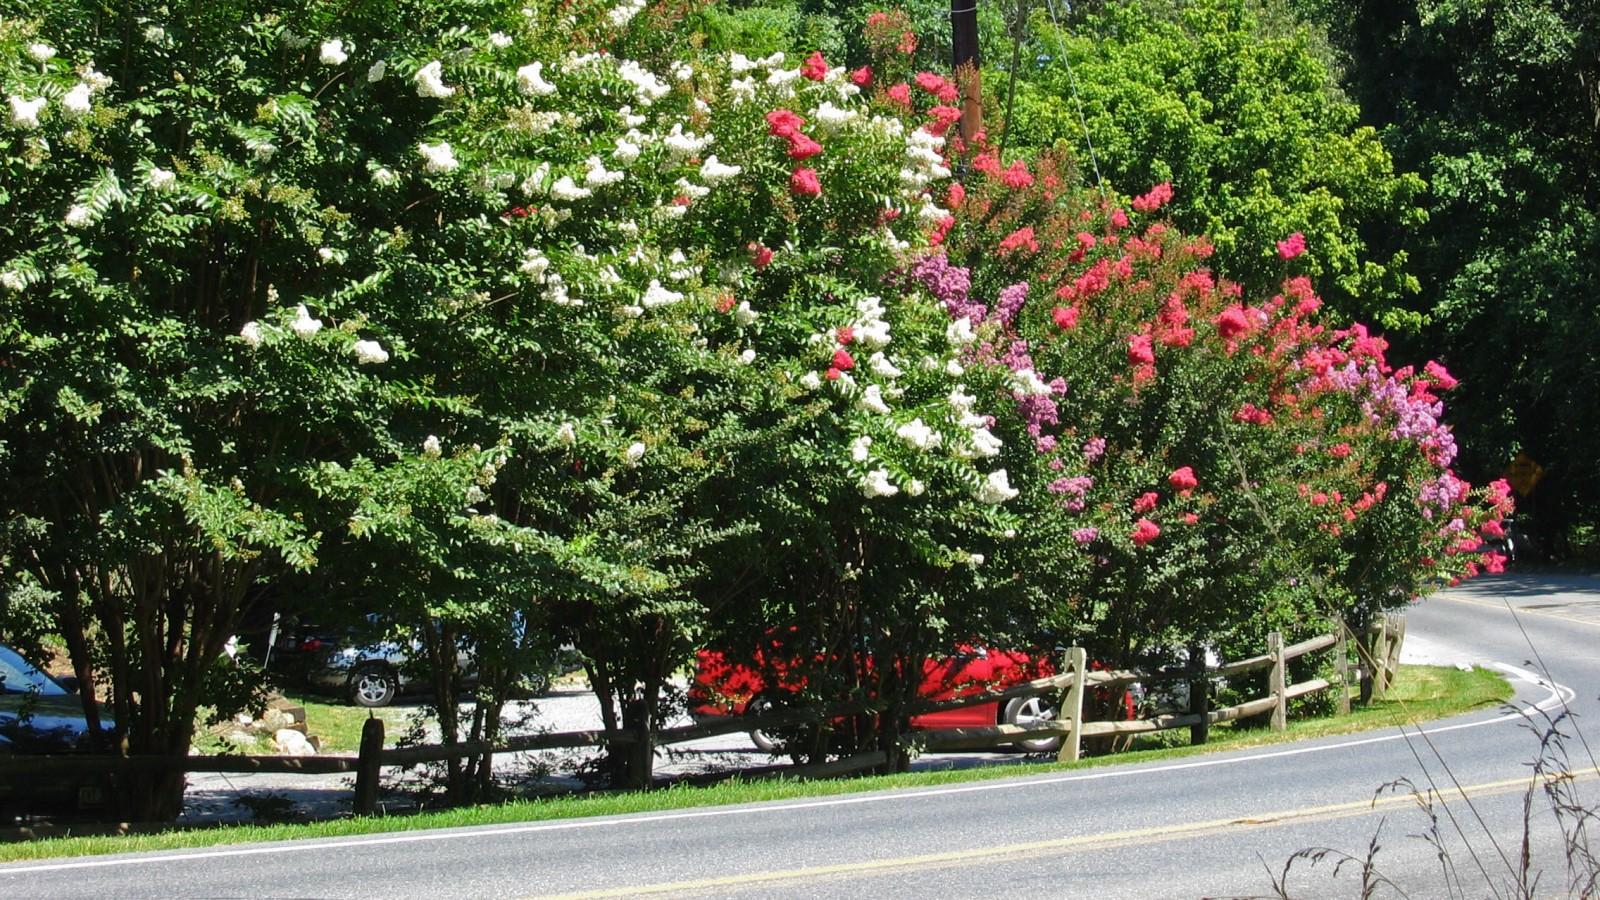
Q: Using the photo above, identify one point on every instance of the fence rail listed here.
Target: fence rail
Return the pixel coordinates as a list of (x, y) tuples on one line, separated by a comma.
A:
[(1378, 655)]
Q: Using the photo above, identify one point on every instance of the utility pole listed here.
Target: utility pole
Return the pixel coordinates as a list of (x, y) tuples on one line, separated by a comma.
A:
[(964, 60)]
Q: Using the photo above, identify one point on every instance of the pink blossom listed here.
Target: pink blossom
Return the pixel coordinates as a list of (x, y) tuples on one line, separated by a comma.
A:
[(815, 67), (1157, 198), (804, 183), (1183, 480), (1145, 531), (1293, 246)]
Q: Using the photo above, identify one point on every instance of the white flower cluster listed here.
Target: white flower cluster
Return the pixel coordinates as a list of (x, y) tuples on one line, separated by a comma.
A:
[(333, 53), (438, 158), (995, 489), (430, 81), (369, 353), (24, 112), (530, 79), (597, 175), (714, 171), (647, 88), (983, 442), (684, 144), (623, 13)]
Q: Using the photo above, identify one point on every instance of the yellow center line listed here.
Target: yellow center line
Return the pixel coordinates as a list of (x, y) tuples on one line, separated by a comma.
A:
[(1056, 845), (1521, 611)]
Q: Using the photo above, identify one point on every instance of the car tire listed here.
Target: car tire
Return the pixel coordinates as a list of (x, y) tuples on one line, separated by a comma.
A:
[(764, 741), (373, 685), (1027, 711)]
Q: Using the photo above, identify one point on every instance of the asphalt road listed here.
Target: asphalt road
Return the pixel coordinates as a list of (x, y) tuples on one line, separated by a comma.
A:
[(1219, 825)]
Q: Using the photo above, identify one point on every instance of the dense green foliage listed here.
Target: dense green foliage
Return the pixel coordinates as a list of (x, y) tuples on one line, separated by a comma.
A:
[(1497, 104)]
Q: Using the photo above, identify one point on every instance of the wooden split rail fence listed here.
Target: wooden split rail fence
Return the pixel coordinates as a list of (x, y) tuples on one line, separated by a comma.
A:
[(1378, 654)]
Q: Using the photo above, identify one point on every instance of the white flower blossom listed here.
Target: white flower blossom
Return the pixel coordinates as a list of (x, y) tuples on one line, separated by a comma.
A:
[(626, 151), (597, 175), (530, 79), (984, 443), (914, 487), (325, 254), (682, 71), (304, 325), (251, 334), (877, 484), (714, 170), (1028, 382), (97, 81), (79, 216), (882, 367), (960, 333), (918, 435), (161, 179), (499, 40), (995, 489), (684, 144), (872, 400), (656, 295), (743, 315), (832, 118), (76, 100), (438, 158), (647, 88), (742, 89), (155, 34), (783, 77), (623, 13), (859, 448), (567, 190), (634, 453), (25, 113), (975, 559), (431, 447), (377, 71), (747, 357), (811, 381), (369, 352), (954, 368), (262, 149), (430, 81), (691, 190), (567, 434), (629, 119), (534, 262), (475, 494), (332, 53), (41, 53), (384, 177), (845, 384), (12, 280)]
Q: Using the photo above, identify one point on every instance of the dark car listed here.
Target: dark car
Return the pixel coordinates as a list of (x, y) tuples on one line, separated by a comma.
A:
[(41, 716)]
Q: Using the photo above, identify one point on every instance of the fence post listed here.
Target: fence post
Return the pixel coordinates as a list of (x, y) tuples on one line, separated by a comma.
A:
[(1341, 666), (369, 758), (1380, 657), (1072, 706), (1280, 711), (1199, 694), (1397, 637)]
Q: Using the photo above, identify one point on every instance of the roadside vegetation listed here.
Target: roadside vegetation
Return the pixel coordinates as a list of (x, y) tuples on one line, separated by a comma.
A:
[(1419, 694), (491, 326)]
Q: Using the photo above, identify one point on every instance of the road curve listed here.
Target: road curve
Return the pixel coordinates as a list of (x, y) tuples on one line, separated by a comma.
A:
[(1220, 825)]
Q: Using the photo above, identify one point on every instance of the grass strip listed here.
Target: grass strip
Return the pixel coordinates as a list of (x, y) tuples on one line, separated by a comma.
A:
[(1428, 692)]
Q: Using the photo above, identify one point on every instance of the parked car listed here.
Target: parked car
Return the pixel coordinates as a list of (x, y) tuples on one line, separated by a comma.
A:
[(372, 673), (723, 687), (40, 715)]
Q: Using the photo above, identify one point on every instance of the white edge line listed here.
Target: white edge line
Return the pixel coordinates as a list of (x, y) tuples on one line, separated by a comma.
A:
[(1558, 694)]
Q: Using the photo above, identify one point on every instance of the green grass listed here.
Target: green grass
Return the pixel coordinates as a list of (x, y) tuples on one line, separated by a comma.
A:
[(338, 724), (1420, 693)]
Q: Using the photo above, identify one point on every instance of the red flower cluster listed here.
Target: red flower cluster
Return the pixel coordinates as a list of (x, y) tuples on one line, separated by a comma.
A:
[(760, 255), (1158, 197), (1145, 531), (1016, 176), (1065, 317), (1183, 480), (815, 67), (1292, 246), (939, 86), (1146, 502), (804, 183), (1021, 239)]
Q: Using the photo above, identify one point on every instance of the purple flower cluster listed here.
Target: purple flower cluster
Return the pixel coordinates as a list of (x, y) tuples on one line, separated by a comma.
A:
[(1075, 488), (950, 285), (1415, 416), (1010, 302)]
